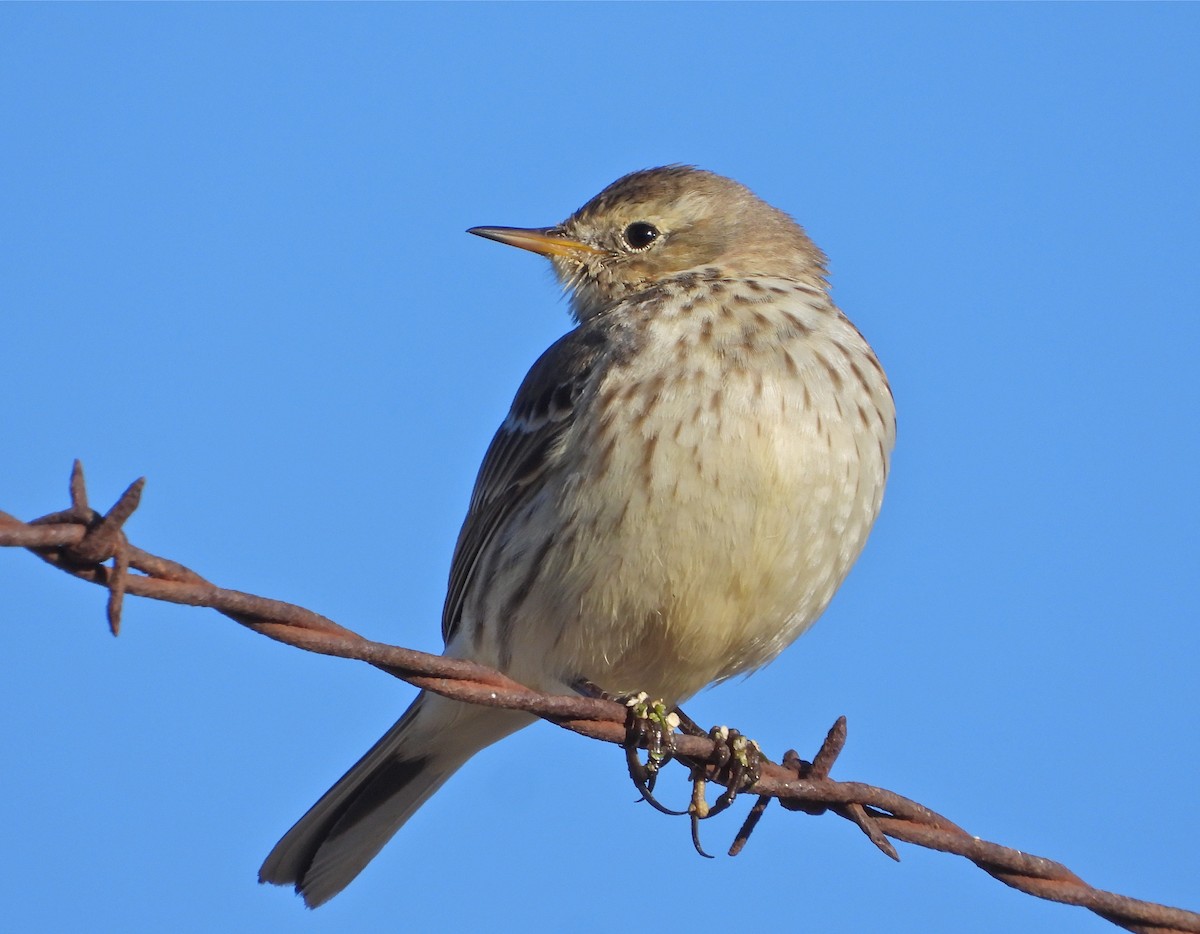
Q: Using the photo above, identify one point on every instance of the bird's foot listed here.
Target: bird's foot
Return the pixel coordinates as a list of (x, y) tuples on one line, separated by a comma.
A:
[(736, 762), (653, 722), (649, 725)]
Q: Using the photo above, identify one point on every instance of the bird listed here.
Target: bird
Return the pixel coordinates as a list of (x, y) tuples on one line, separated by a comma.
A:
[(681, 484)]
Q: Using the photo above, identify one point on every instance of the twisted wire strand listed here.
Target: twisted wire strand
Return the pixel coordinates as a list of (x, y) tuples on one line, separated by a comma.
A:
[(80, 540)]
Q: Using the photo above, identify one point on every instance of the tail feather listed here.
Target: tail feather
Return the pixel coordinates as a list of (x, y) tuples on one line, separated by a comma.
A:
[(349, 825)]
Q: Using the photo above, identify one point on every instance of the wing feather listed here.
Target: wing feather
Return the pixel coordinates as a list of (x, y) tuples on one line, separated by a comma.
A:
[(523, 451)]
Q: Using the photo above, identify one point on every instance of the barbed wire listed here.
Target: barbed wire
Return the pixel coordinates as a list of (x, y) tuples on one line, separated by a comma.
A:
[(79, 540)]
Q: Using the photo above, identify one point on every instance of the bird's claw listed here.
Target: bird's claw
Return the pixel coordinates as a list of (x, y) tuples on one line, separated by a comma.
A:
[(737, 763), (650, 725)]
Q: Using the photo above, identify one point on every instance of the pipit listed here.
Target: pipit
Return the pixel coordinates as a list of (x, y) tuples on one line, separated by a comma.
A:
[(680, 486)]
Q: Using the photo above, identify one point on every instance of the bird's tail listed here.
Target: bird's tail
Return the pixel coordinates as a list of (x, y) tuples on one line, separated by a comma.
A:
[(343, 831)]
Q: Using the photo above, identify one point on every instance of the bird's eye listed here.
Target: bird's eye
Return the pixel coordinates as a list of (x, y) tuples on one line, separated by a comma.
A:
[(640, 235)]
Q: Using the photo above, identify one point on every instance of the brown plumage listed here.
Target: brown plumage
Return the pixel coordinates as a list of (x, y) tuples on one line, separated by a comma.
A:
[(680, 486)]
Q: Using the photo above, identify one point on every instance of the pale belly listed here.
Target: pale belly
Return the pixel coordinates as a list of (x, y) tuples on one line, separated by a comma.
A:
[(713, 528)]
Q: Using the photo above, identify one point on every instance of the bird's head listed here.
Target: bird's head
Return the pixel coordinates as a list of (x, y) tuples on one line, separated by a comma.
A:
[(656, 224)]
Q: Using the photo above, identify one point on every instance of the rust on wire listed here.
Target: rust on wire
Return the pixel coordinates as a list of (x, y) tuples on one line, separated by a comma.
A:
[(79, 540)]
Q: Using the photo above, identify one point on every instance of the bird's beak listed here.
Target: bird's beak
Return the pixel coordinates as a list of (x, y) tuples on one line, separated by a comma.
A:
[(543, 240)]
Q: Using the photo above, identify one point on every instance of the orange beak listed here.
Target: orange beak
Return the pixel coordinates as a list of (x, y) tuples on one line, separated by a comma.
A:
[(537, 239)]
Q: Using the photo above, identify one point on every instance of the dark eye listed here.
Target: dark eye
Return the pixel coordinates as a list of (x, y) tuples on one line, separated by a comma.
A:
[(640, 235)]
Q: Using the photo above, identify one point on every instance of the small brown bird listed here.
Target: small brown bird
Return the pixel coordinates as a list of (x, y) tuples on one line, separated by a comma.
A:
[(680, 486)]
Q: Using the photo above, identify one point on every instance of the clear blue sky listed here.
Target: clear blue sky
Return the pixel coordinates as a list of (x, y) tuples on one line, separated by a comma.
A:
[(232, 259)]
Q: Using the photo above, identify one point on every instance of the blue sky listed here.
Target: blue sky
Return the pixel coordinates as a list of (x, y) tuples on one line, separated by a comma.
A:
[(232, 259)]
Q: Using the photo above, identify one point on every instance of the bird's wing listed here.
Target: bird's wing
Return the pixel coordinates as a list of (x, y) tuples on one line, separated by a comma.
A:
[(522, 452)]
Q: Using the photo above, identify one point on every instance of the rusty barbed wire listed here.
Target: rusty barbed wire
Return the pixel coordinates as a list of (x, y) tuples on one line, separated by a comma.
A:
[(80, 540)]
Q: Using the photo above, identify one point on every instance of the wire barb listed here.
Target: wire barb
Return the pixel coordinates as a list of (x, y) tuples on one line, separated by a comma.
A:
[(103, 539), (78, 540)]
